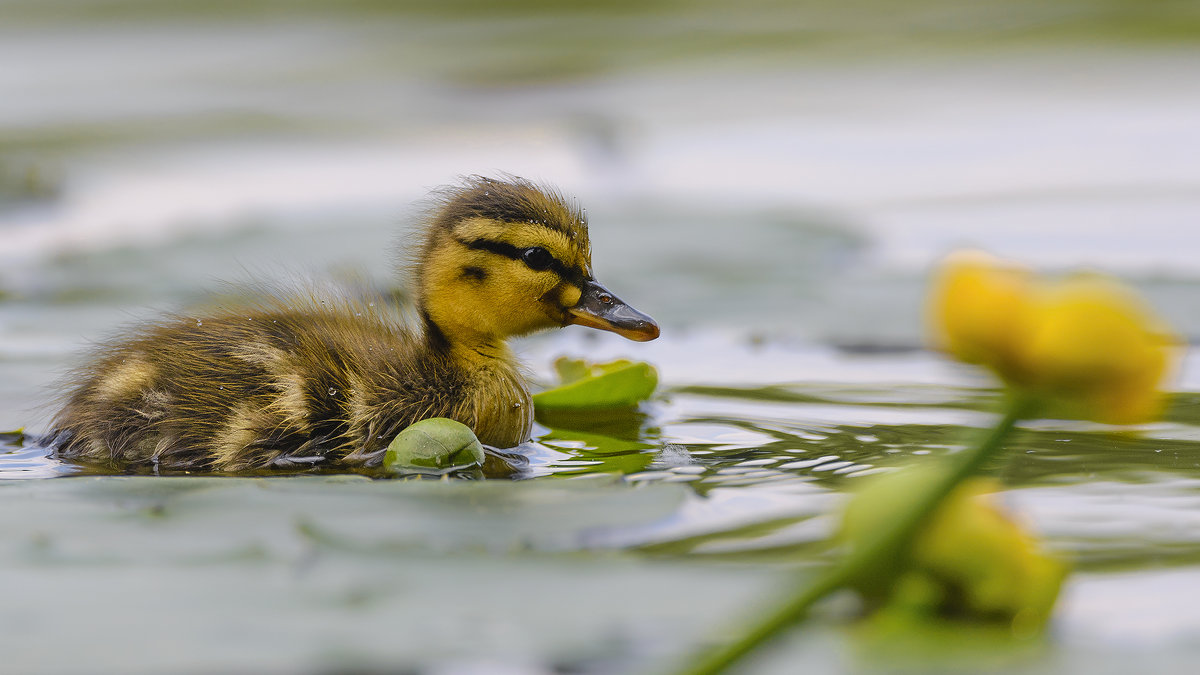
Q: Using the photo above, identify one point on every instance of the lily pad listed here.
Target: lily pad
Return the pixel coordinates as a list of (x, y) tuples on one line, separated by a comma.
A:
[(437, 444), (619, 384)]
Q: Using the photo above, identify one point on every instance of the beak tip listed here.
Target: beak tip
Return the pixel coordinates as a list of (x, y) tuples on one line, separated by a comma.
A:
[(645, 333)]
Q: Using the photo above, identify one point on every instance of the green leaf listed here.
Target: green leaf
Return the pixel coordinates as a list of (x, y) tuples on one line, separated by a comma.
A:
[(16, 437), (571, 370), (440, 444), (619, 384)]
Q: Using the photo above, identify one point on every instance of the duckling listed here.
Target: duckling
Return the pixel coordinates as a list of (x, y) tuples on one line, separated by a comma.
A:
[(297, 383)]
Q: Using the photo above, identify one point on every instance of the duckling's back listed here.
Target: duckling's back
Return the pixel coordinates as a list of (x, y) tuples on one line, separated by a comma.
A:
[(279, 388)]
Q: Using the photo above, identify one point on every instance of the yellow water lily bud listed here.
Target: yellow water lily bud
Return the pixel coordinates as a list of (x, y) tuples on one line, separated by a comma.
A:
[(988, 565), (1094, 342), (1087, 345), (969, 558), (978, 309)]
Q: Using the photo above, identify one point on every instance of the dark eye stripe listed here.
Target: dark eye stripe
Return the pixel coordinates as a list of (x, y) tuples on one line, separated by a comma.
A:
[(571, 274)]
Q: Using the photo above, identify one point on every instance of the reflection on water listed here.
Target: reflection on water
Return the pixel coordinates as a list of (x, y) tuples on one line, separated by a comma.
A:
[(1074, 475), (21, 457)]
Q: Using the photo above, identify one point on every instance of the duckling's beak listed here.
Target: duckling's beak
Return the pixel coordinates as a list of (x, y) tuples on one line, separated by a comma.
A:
[(597, 308)]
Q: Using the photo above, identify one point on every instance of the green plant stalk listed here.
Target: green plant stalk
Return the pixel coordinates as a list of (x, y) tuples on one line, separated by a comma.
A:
[(891, 544)]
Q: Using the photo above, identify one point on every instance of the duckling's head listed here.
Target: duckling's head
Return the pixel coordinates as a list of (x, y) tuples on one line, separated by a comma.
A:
[(504, 258)]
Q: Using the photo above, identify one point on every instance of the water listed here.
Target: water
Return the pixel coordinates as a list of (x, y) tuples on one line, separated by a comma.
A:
[(771, 186)]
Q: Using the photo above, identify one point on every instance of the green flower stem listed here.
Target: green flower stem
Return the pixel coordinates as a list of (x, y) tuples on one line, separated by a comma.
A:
[(857, 568)]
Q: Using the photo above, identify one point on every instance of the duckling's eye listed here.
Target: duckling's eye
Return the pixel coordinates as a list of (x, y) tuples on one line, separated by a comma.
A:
[(537, 258)]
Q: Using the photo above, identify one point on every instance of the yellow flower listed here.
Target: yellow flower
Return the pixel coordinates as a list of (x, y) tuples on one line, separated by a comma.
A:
[(1092, 341), (1086, 341), (987, 563), (968, 559), (978, 309)]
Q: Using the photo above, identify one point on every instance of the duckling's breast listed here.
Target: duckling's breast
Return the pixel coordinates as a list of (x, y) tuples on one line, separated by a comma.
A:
[(501, 409)]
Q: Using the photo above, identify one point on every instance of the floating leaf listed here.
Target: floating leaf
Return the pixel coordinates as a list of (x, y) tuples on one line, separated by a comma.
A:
[(15, 437), (571, 370), (619, 384), (440, 444)]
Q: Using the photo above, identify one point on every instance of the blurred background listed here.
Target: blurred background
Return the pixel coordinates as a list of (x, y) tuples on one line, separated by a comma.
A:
[(761, 169)]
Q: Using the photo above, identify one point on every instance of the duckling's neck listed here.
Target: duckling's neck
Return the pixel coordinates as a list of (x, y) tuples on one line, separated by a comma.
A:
[(495, 401), (472, 350), (481, 355)]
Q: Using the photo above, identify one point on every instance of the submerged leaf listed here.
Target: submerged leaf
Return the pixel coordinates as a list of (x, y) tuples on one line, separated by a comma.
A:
[(437, 443), (619, 384)]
